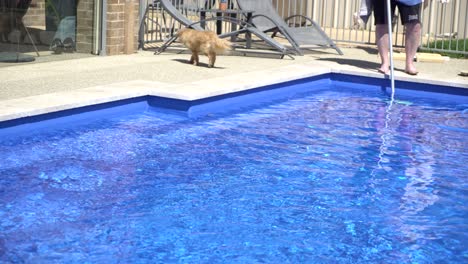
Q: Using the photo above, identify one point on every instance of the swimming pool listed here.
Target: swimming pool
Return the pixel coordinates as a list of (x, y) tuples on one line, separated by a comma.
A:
[(319, 171)]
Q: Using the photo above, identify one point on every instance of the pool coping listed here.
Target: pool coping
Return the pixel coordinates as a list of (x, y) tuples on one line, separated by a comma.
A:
[(191, 91)]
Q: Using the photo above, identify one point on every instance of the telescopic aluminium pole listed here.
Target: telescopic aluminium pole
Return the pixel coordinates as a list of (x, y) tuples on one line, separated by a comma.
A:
[(390, 45)]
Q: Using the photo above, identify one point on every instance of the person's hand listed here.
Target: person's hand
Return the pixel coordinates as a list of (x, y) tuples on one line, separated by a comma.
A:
[(358, 22)]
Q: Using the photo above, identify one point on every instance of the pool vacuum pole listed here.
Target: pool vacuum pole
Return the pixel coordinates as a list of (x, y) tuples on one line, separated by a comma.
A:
[(390, 45)]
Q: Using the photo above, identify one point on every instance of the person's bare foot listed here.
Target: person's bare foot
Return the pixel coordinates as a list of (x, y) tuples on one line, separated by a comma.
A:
[(383, 70), (411, 70)]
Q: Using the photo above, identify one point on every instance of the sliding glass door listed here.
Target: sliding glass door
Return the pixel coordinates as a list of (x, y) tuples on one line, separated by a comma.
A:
[(47, 29)]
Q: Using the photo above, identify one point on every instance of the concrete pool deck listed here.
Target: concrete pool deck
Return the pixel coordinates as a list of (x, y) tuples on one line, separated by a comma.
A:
[(43, 87)]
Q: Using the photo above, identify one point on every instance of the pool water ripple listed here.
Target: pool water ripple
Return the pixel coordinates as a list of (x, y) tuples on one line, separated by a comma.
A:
[(334, 177)]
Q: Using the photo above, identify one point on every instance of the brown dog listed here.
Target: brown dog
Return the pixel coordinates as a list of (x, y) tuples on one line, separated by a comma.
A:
[(205, 42)]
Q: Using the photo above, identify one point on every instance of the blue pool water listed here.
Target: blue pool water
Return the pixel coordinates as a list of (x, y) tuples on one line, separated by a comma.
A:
[(338, 175)]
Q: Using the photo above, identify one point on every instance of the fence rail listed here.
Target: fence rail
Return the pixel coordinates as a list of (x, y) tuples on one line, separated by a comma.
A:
[(444, 25)]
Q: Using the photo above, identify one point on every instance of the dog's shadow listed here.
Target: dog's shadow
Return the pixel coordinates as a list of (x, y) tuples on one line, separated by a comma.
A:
[(200, 64)]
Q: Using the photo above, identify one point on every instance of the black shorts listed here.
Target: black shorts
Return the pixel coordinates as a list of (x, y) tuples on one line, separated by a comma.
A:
[(408, 14)]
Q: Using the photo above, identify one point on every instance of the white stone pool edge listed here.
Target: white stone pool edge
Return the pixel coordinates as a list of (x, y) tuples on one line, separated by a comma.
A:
[(53, 102)]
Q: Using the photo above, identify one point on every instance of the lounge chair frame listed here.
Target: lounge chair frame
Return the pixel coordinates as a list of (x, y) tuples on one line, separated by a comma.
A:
[(244, 28), (292, 34)]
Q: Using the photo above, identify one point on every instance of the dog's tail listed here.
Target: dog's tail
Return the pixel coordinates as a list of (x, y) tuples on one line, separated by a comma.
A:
[(222, 45)]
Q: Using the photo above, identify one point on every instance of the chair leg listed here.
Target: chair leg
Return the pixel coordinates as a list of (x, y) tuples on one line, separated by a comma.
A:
[(165, 45), (32, 41), (325, 36), (293, 43)]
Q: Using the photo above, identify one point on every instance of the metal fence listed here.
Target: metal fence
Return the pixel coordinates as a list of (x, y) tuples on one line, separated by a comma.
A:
[(444, 24), (156, 25)]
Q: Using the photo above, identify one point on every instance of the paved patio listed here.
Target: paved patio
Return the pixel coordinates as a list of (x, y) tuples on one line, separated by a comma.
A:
[(41, 87)]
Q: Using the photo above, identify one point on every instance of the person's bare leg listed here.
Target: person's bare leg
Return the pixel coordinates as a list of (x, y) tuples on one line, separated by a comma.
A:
[(412, 39), (381, 32)]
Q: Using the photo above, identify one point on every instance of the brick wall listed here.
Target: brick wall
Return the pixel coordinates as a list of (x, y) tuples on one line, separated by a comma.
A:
[(36, 15), (117, 26), (84, 26)]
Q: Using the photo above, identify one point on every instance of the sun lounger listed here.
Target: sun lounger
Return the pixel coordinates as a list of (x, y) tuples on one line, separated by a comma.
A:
[(244, 28), (267, 19)]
